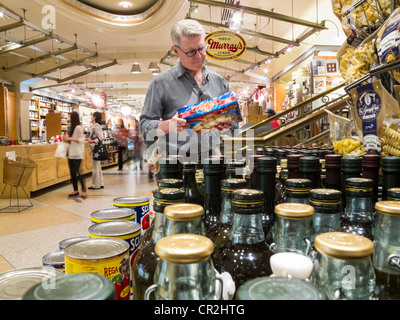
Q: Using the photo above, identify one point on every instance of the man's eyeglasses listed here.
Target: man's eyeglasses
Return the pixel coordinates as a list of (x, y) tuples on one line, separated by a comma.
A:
[(192, 53)]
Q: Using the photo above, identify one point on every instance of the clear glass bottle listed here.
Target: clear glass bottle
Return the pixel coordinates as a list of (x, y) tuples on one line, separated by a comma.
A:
[(192, 190), (185, 270), (387, 250), (343, 268), (358, 215), (246, 254), (297, 191), (293, 230), (145, 263), (161, 198), (184, 218), (327, 205), (219, 234), (213, 170)]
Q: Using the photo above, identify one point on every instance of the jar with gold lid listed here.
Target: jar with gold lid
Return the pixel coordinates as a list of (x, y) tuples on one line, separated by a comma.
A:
[(343, 267), (184, 218), (387, 250), (293, 230), (185, 270), (327, 205)]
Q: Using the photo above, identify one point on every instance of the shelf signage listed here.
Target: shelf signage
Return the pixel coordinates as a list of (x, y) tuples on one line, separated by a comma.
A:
[(99, 100), (225, 45)]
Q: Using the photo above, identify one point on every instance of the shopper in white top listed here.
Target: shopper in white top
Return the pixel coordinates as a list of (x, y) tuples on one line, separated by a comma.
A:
[(76, 140), (96, 135)]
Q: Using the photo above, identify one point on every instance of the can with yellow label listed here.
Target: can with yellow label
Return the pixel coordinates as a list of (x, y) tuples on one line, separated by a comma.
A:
[(105, 256)]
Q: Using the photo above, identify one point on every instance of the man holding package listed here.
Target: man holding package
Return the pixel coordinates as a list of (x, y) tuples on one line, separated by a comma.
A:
[(187, 83)]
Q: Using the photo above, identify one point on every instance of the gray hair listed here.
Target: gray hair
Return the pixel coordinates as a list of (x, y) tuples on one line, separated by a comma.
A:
[(186, 28)]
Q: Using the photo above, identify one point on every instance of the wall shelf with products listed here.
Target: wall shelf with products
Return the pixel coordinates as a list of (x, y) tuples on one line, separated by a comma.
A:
[(40, 107)]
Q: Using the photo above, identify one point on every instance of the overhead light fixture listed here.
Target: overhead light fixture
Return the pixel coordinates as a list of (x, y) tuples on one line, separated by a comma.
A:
[(125, 4), (156, 72), (153, 66), (136, 68), (236, 21)]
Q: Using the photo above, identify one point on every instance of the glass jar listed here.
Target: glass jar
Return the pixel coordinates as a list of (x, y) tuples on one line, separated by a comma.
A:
[(293, 230), (343, 268), (387, 250), (297, 191), (184, 218), (246, 254), (327, 205), (185, 270), (219, 234), (358, 214)]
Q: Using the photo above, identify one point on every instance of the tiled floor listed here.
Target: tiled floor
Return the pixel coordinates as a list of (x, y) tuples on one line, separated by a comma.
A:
[(25, 237)]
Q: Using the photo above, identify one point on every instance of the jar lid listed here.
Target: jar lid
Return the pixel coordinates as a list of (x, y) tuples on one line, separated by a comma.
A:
[(170, 183), (66, 242), (279, 288), (184, 248), (247, 194), (343, 245), (294, 210), (388, 207), (15, 283), (393, 194), (169, 194), (326, 194), (119, 228), (112, 214), (75, 286), (232, 184), (183, 211)]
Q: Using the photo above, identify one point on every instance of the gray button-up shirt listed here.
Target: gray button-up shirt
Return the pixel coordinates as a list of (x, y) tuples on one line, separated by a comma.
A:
[(171, 90)]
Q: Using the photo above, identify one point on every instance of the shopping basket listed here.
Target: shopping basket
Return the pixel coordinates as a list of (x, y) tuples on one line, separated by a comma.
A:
[(16, 173)]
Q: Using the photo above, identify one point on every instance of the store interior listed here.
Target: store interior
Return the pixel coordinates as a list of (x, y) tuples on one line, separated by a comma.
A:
[(59, 56)]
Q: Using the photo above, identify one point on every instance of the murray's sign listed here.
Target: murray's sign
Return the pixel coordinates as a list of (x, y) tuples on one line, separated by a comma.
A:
[(225, 45)]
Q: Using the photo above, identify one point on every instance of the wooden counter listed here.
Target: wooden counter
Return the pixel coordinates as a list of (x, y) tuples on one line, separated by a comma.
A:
[(48, 171)]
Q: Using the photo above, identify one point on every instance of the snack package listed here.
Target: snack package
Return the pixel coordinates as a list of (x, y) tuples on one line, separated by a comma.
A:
[(386, 7), (210, 113), (373, 103), (387, 44), (344, 140), (390, 136), (355, 63)]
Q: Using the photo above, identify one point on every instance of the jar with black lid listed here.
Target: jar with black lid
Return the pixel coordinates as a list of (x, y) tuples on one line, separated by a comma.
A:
[(246, 240), (219, 234), (327, 205), (297, 191), (358, 214), (170, 168)]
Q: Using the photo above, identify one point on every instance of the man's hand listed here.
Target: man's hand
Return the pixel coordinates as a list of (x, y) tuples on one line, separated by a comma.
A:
[(175, 124), (224, 126)]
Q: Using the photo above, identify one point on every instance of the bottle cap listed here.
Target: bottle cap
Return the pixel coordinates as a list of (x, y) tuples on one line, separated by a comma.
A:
[(266, 165), (184, 248), (183, 211), (394, 194), (189, 166), (213, 166), (169, 194), (351, 164), (325, 194), (391, 164), (359, 186), (309, 164), (233, 184), (247, 201), (388, 207), (294, 210), (344, 245), (170, 183)]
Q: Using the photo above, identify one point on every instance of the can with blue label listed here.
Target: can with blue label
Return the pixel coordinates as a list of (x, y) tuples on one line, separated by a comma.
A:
[(141, 205)]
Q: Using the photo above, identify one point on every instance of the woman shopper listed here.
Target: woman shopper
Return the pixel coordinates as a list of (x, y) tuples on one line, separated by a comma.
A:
[(138, 139), (76, 140), (96, 136), (122, 135)]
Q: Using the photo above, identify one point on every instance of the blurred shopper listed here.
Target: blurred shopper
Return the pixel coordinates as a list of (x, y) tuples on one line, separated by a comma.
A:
[(122, 135), (96, 136), (76, 139), (138, 140)]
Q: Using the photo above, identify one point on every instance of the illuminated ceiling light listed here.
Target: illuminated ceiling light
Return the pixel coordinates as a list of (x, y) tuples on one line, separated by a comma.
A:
[(153, 66), (126, 110), (156, 72), (265, 70), (289, 49), (236, 21), (136, 68), (125, 4)]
